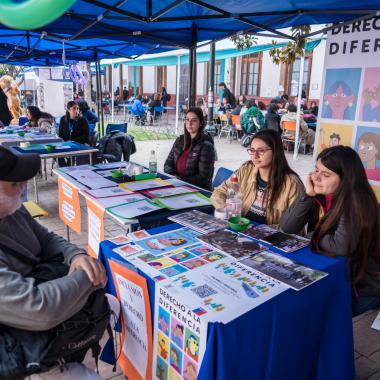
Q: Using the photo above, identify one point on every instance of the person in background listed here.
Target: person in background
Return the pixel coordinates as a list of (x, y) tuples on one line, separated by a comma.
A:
[(76, 97), (262, 107), (225, 107), (226, 93), (203, 106), (5, 114), (117, 93), (156, 102), (137, 108), (306, 133), (42, 121), (272, 118), (125, 94), (240, 104), (341, 212), (192, 156), (314, 108), (91, 118), (268, 185), (165, 97)]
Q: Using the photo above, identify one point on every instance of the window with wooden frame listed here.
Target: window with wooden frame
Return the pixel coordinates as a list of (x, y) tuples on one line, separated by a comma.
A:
[(294, 75), (250, 74)]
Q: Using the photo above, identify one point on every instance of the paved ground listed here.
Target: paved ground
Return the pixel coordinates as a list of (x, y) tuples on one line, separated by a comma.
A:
[(367, 341)]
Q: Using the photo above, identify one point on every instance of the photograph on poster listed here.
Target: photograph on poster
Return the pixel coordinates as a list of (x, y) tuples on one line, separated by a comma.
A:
[(163, 346), (163, 320), (370, 95), (367, 144), (334, 134), (161, 369), (340, 96)]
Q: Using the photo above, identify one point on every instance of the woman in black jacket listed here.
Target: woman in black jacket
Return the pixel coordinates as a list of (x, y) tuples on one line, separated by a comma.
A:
[(74, 127), (272, 118), (192, 157)]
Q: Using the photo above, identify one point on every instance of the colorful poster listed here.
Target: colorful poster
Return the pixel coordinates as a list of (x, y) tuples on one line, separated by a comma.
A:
[(370, 103), (180, 338), (331, 134), (224, 290), (95, 223), (69, 205), (177, 202), (136, 340)]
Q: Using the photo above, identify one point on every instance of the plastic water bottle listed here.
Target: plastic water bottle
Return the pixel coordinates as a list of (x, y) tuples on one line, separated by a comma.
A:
[(233, 201), (152, 162)]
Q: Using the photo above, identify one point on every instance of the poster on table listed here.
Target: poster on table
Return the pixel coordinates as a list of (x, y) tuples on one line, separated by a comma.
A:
[(180, 337), (95, 223), (350, 98), (136, 339), (69, 205)]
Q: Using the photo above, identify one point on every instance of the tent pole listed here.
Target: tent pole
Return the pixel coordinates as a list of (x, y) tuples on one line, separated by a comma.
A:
[(300, 81), (193, 69), (211, 80), (113, 96), (177, 96)]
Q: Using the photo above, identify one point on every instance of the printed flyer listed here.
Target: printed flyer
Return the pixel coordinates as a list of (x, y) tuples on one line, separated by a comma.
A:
[(224, 290), (180, 337)]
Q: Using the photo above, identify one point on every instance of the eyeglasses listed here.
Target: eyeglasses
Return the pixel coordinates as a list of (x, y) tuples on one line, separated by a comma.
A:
[(259, 151)]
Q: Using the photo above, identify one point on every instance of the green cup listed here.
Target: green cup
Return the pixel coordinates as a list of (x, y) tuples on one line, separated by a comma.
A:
[(238, 224), (50, 148)]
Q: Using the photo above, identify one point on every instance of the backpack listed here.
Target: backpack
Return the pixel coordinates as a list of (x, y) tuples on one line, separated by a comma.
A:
[(24, 352)]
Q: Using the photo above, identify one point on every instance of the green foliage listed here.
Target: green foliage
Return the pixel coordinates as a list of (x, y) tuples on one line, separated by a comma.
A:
[(243, 41), (11, 70), (294, 49)]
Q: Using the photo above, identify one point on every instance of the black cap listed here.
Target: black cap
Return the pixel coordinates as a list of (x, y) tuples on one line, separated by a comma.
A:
[(15, 167)]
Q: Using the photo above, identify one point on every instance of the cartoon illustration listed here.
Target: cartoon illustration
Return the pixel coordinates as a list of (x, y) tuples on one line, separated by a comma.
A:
[(175, 358), (161, 369), (201, 250), (161, 243), (182, 256), (213, 256), (177, 333), (163, 346), (334, 139), (195, 263), (192, 345), (369, 151), (190, 370), (173, 375), (163, 321), (370, 101), (341, 93)]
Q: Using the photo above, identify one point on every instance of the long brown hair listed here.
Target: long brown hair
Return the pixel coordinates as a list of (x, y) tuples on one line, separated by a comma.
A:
[(187, 138), (280, 168), (356, 201)]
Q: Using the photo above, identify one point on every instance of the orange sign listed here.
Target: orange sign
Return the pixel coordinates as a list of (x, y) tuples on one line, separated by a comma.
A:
[(136, 339), (95, 225), (69, 205)]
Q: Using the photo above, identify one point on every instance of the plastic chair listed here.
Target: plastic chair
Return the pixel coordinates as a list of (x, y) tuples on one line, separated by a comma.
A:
[(226, 128), (289, 134), (235, 120), (34, 209), (116, 127), (221, 175), (22, 120), (157, 113), (94, 138)]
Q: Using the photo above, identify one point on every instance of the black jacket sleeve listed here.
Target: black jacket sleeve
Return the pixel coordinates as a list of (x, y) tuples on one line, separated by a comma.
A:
[(63, 132), (81, 133), (170, 165)]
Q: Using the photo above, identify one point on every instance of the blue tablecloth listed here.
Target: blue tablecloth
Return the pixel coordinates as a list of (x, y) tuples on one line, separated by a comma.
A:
[(295, 335), (71, 147)]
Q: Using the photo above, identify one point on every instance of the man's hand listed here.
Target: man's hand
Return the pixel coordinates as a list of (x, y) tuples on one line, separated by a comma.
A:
[(93, 268)]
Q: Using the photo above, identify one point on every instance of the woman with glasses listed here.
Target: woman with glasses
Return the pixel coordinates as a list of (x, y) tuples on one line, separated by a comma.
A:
[(73, 127), (341, 212), (192, 156), (267, 184)]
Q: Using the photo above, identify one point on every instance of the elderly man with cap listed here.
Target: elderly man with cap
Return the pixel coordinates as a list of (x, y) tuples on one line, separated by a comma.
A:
[(23, 304)]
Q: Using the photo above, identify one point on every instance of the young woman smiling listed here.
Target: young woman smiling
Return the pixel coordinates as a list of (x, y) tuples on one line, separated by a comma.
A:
[(267, 184), (192, 156), (342, 213)]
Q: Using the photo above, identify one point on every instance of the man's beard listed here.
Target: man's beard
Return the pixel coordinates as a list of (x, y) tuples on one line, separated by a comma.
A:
[(8, 204)]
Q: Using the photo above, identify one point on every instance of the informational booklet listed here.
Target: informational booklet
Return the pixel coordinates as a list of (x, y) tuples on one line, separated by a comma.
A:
[(112, 165), (145, 184), (224, 290), (133, 209), (90, 179), (284, 242), (69, 169), (169, 191), (289, 272), (199, 221), (116, 201), (232, 243), (108, 192), (167, 241), (178, 202)]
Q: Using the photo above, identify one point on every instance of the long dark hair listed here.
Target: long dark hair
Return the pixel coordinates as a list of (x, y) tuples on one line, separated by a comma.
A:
[(356, 201), (36, 114), (187, 138), (279, 168), (70, 104)]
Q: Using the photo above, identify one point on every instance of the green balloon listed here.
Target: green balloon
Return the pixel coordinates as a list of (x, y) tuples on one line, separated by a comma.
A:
[(32, 14)]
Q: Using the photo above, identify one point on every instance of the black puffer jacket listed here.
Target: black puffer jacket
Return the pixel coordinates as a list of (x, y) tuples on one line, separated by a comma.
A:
[(80, 132), (200, 162)]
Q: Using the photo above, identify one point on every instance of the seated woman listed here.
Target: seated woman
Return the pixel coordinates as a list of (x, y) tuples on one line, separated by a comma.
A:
[(91, 118), (267, 184), (156, 102), (192, 156), (341, 211), (41, 120), (74, 127)]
